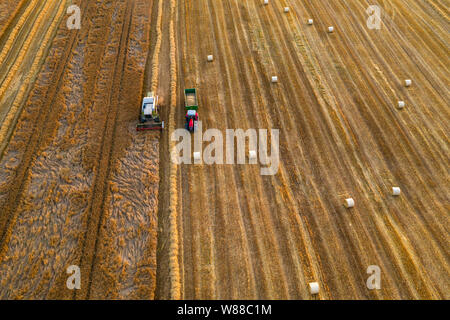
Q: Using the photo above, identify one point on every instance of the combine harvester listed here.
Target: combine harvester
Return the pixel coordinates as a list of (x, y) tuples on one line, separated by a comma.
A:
[(149, 118), (191, 106)]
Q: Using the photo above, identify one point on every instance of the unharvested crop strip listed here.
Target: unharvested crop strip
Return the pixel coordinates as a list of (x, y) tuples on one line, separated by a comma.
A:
[(44, 14), (20, 39), (17, 28), (155, 62), (12, 17)]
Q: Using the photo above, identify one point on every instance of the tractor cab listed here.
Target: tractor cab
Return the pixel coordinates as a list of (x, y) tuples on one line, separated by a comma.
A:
[(192, 114)]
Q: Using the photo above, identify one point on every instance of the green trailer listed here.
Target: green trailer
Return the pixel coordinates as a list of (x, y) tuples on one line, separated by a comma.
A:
[(190, 98), (191, 108)]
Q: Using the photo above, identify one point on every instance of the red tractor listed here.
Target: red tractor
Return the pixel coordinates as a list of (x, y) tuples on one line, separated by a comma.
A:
[(191, 120)]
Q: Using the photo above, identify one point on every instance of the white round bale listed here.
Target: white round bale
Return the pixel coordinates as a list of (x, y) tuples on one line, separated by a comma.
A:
[(286, 9), (401, 104), (210, 58), (330, 29), (349, 203), (408, 82), (310, 21), (252, 154), (314, 288), (274, 79), (396, 191), (266, 2), (197, 156)]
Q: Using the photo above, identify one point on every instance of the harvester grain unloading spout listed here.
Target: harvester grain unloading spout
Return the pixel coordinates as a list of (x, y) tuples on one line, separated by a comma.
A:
[(149, 118)]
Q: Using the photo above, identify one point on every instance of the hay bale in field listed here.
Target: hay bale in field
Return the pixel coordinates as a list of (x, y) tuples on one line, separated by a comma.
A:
[(266, 2), (349, 203), (210, 58), (314, 287), (408, 82), (310, 21), (401, 104), (330, 29), (286, 9), (274, 79), (396, 191)]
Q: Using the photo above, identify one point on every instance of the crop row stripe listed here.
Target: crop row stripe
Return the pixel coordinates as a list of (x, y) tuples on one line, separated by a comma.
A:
[(26, 46), (12, 37), (34, 69), (12, 17)]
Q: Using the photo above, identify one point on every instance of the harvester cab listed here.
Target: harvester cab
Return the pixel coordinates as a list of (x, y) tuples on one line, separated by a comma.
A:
[(149, 118)]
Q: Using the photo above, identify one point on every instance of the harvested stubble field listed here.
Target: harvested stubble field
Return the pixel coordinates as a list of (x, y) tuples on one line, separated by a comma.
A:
[(78, 186), (242, 235)]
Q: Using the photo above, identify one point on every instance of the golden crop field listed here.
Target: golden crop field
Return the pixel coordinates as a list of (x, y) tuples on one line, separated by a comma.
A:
[(79, 186)]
